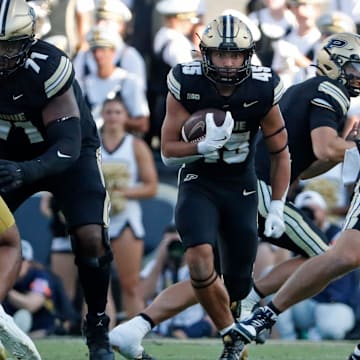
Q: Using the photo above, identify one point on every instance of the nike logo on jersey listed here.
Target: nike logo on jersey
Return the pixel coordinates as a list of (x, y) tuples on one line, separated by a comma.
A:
[(247, 193), (61, 155), (246, 105), (222, 139), (190, 177), (17, 97)]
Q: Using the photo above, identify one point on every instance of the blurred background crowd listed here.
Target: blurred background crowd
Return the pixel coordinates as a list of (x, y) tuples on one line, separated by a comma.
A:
[(122, 52)]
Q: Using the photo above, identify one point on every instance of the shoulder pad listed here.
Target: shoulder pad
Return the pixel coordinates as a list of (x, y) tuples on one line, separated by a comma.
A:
[(335, 93)]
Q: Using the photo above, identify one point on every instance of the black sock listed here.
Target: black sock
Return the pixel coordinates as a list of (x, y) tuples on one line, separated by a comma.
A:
[(271, 306), (148, 319), (95, 283)]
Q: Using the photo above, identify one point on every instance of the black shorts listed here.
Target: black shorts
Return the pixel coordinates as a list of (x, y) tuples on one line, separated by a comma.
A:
[(79, 191), (222, 212)]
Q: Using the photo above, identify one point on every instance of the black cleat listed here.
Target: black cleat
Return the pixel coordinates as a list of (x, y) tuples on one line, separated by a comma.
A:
[(144, 356), (258, 323), (233, 346), (97, 339)]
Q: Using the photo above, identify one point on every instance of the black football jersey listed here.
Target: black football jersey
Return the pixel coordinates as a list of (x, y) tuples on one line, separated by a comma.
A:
[(316, 102), (47, 73), (248, 104)]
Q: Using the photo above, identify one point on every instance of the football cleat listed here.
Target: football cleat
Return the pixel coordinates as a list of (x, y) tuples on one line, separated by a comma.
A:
[(260, 321), (96, 333), (14, 340), (144, 356), (233, 346), (353, 356), (126, 338)]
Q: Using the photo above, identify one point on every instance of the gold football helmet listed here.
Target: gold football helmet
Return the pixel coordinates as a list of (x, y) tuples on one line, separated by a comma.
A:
[(339, 59), (227, 33), (17, 25)]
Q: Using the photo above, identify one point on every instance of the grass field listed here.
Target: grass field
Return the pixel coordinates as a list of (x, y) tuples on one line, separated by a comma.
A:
[(74, 349)]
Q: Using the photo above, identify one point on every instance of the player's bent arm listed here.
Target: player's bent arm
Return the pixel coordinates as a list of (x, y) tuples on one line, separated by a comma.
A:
[(318, 167), (276, 139), (61, 118), (147, 172), (173, 149), (328, 145), (31, 300)]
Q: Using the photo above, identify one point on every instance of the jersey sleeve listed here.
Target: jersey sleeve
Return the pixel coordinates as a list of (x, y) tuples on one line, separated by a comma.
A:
[(51, 69), (279, 88), (174, 83), (328, 106)]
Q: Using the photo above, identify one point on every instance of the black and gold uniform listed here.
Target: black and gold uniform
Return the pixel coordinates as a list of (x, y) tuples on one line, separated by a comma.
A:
[(317, 102), (79, 190), (221, 193)]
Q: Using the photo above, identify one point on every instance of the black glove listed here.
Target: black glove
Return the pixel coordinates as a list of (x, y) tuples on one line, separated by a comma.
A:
[(11, 175)]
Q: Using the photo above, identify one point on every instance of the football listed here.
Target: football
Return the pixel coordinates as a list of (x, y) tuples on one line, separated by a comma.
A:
[(194, 128)]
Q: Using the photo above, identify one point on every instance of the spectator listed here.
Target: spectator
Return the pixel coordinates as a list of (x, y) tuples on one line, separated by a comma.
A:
[(110, 80), (112, 14), (171, 46), (275, 21), (295, 50), (130, 175), (38, 292), (168, 267), (349, 7)]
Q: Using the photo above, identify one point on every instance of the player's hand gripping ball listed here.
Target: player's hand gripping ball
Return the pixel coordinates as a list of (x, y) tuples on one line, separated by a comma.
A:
[(194, 128)]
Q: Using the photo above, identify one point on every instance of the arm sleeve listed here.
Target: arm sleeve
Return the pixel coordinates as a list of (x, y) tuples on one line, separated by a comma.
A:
[(64, 139)]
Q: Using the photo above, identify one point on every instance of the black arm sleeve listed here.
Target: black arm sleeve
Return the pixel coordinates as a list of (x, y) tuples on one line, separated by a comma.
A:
[(64, 139)]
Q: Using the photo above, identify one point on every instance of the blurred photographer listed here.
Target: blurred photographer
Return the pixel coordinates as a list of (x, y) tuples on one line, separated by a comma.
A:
[(167, 267)]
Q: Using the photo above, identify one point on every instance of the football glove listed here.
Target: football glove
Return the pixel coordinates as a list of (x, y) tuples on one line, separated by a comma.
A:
[(274, 223), (11, 175), (216, 136)]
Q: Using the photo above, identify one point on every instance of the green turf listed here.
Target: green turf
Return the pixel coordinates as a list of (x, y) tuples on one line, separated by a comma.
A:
[(74, 349)]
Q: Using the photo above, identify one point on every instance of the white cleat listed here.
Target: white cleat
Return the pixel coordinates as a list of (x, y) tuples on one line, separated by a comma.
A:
[(15, 341), (126, 340)]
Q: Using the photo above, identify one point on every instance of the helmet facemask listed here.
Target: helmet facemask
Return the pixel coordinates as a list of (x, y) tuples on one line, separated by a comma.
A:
[(227, 34), (13, 54), (226, 75)]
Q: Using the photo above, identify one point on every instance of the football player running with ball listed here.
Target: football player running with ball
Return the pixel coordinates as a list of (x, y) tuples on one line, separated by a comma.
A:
[(338, 79), (217, 200), (49, 141)]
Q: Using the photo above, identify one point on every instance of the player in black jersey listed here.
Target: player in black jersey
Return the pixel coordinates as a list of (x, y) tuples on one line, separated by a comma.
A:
[(217, 201), (49, 141), (324, 106), (322, 112)]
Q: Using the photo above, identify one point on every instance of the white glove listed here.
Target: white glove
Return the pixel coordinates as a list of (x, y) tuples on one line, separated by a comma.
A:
[(274, 223), (216, 136)]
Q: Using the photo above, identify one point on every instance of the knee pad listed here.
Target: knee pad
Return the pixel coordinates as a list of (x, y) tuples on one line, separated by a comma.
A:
[(94, 262), (237, 287)]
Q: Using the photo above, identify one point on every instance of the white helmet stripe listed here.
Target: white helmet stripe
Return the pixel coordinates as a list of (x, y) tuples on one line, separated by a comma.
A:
[(228, 32), (4, 8)]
